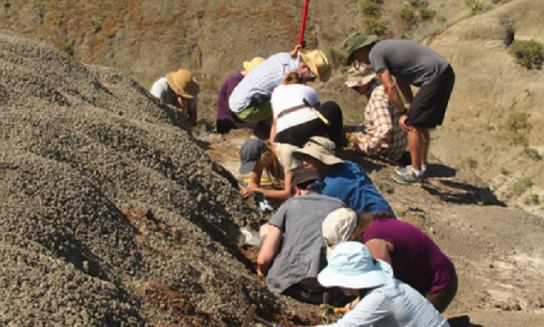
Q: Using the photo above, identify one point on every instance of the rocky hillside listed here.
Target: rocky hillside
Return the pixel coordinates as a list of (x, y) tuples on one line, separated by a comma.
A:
[(110, 213), (493, 95)]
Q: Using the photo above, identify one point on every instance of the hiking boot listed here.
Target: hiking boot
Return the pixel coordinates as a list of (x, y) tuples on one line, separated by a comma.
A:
[(408, 177)]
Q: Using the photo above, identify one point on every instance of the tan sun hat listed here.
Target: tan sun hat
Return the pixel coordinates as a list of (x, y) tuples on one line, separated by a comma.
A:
[(320, 148), (359, 77), (318, 63), (183, 83), (338, 227), (251, 64)]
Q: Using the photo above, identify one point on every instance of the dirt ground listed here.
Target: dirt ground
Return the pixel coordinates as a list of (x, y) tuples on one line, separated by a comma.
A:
[(111, 213), (497, 250)]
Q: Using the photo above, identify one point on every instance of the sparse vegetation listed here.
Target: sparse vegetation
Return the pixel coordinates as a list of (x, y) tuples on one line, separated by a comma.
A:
[(476, 5), (471, 163), (532, 200), (531, 154), (522, 186), (505, 171), (517, 128), (376, 26), (529, 54), (336, 57), (370, 8), (65, 47), (415, 11)]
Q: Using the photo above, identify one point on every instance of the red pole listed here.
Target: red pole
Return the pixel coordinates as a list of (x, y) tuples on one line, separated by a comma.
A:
[(303, 27)]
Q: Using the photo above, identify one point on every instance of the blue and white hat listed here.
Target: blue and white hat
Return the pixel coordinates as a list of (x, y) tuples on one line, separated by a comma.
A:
[(351, 266)]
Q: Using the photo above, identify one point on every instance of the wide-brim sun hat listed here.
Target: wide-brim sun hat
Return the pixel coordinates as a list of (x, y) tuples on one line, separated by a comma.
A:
[(351, 266), (320, 148), (251, 64), (356, 41), (360, 77), (338, 227), (250, 153), (183, 83), (318, 63)]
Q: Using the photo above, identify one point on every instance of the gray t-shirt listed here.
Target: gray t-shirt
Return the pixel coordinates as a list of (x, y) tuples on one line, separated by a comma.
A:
[(411, 61), (303, 251)]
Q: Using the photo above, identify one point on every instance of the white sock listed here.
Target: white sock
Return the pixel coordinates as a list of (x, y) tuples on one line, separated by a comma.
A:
[(418, 173), (423, 168)]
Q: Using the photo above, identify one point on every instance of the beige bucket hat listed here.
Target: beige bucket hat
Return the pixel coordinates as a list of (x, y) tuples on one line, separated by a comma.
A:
[(320, 148), (183, 83), (318, 63), (338, 227), (251, 64), (358, 77)]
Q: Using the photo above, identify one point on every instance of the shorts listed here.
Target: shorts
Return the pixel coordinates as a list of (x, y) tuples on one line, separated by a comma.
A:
[(429, 105), (255, 114)]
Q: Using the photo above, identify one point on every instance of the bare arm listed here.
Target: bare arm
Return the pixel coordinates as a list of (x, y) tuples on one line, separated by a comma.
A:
[(380, 249), (406, 90), (389, 85), (269, 249)]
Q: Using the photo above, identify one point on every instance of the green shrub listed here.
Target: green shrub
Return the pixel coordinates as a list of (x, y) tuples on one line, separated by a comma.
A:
[(376, 26), (427, 13), (370, 8), (531, 154), (67, 48), (518, 121), (475, 5), (408, 15), (532, 199), (336, 57), (522, 185), (529, 54)]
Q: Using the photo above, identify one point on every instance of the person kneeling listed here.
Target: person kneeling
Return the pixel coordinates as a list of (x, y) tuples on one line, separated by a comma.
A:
[(293, 249), (384, 300)]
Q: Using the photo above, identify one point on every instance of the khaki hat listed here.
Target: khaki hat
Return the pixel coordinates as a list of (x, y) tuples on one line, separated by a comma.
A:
[(250, 65), (358, 77), (183, 83), (318, 63), (320, 148), (355, 42), (338, 227)]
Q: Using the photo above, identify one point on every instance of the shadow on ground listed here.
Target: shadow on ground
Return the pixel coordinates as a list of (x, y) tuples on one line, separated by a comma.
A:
[(463, 193)]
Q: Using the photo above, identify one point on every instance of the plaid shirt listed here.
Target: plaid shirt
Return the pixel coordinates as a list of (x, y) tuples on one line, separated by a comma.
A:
[(383, 134)]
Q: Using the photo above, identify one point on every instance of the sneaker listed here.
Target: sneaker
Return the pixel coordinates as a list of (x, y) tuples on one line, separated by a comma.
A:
[(409, 177), (402, 171)]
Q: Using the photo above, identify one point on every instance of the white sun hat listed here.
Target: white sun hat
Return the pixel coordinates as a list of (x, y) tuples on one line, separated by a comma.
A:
[(351, 266)]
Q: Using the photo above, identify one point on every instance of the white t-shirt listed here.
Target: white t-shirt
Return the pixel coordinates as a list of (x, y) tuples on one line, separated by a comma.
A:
[(286, 97), (393, 305)]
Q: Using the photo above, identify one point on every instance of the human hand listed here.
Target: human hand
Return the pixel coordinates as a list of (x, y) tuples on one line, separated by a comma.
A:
[(295, 51), (402, 123), (246, 192)]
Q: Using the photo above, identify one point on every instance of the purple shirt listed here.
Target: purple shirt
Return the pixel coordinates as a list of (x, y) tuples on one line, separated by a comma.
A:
[(416, 259), (223, 110)]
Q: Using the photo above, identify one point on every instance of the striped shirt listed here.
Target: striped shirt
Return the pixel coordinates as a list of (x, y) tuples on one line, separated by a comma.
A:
[(263, 80), (383, 134)]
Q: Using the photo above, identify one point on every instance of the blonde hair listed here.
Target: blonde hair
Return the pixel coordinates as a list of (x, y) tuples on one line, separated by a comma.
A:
[(272, 167)]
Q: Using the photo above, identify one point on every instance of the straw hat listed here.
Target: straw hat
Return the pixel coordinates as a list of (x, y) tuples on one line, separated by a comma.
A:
[(250, 65), (351, 266), (320, 148), (338, 227), (358, 77), (318, 63), (183, 83)]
